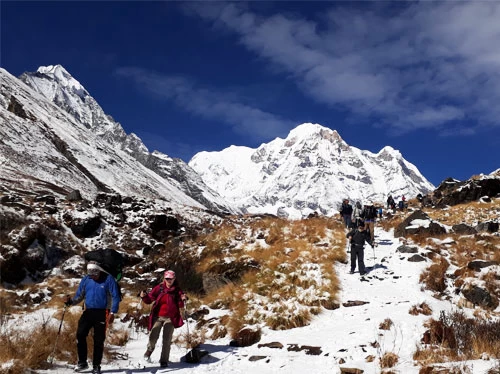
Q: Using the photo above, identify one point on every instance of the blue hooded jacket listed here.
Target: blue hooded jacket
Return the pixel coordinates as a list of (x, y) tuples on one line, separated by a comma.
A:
[(98, 294)]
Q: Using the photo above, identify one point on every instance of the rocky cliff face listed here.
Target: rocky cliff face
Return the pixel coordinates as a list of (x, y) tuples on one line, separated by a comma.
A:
[(54, 132)]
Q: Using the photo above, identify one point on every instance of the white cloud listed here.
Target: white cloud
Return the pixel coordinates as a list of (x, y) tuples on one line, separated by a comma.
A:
[(428, 65), (208, 103)]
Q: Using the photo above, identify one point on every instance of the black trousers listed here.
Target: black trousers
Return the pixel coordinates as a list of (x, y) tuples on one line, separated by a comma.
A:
[(359, 253), (96, 319)]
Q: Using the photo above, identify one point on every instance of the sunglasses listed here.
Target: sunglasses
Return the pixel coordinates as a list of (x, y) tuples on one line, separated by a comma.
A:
[(169, 279)]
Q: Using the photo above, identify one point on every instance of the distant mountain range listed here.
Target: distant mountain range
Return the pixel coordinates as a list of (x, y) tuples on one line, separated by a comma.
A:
[(55, 137), (313, 169)]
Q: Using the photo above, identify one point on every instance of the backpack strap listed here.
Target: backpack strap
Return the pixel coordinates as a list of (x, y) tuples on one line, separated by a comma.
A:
[(160, 294)]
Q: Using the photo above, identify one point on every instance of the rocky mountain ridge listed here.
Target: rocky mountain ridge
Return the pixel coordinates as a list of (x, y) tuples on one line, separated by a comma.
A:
[(55, 134), (312, 169)]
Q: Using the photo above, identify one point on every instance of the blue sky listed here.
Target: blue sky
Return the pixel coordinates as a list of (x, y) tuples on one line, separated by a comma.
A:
[(186, 77)]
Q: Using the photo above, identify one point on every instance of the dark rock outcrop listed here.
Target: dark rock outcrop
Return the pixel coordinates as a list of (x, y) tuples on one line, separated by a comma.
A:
[(406, 228), (464, 229), (480, 296), (453, 192), (478, 264), (490, 226)]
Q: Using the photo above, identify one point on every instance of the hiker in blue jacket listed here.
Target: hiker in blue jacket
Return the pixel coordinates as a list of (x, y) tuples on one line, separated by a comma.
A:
[(358, 238), (99, 289)]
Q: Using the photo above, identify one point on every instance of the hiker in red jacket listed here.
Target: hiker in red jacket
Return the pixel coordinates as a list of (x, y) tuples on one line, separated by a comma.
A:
[(166, 312)]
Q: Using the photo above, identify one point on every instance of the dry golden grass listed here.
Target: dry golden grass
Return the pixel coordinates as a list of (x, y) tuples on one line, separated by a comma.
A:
[(389, 360), (31, 349), (283, 273), (222, 297), (386, 324), (117, 337), (34, 349), (468, 213), (432, 355), (131, 304), (193, 339), (281, 281), (422, 308), (434, 276), (390, 223), (455, 337), (477, 247)]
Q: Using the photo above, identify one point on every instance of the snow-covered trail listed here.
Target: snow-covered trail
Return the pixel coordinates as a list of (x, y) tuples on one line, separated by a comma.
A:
[(349, 336)]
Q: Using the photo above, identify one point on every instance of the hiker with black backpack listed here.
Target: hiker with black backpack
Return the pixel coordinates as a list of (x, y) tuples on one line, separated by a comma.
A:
[(369, 215), (97, 288), (346, 213), (167, 311), (356, 214), (358, 237), (391, 204)]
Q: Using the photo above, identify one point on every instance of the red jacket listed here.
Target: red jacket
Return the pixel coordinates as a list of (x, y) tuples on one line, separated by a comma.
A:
[(166, 303)]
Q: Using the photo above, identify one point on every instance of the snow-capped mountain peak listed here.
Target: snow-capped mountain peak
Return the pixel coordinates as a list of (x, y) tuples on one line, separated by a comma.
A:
[(312, 169), (55, 132), (62, 77)]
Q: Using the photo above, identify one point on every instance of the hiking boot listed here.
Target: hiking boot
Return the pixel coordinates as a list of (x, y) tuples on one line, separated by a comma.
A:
[(351, 272), (96, 370), (81, 366), (147, 355), (363, 273), (163, 364)]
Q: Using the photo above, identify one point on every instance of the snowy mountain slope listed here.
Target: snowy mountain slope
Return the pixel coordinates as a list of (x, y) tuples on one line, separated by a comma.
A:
[(313, 169), (348, 337), (43, 144), (75, 145)]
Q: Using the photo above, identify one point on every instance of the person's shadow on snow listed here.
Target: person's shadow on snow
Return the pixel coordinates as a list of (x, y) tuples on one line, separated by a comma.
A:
[(172, 366), (375, 267), (212, 348)]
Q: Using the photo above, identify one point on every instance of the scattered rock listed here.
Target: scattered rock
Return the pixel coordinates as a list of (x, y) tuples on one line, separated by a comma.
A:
[(354, 303), (488, 227), (310, 350), (416, 258), (246, 337), (74, 195), (271, 345), (464, 229), (477, 265), (479, 296), (350, 371), (407, 249)]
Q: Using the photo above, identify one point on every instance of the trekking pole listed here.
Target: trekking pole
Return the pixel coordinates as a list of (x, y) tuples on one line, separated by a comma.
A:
[(187, 325), (50, 359)]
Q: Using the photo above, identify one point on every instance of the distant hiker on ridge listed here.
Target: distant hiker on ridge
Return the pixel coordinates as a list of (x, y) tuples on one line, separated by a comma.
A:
[(358, 237), (369, 215), (391, 204), (402, 203), (346, 213), (356, 214)]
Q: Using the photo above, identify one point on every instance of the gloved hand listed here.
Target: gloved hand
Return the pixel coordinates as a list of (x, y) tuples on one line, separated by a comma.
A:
[(111, 318), (68, 301)]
